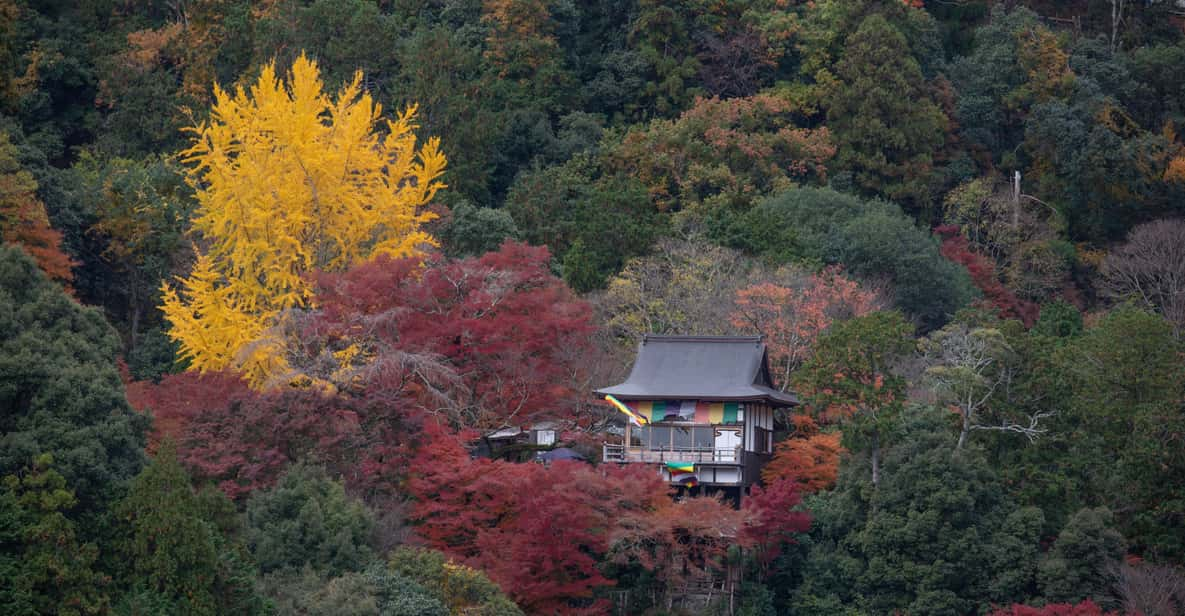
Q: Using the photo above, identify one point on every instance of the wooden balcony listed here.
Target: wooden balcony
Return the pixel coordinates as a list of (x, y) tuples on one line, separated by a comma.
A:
[(698, 455)]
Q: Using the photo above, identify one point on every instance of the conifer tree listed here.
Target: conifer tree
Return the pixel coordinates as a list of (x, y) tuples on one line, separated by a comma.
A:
[(179, 557), (44, 567), (884, 124)]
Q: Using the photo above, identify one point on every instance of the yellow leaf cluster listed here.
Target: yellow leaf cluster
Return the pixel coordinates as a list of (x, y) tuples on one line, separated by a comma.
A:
[(289, 181)]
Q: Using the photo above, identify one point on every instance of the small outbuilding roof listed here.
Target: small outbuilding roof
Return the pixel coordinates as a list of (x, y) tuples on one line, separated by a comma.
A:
[(726, 368)]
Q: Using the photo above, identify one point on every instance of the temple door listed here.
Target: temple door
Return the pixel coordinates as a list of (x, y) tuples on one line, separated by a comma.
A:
[(727, 441)]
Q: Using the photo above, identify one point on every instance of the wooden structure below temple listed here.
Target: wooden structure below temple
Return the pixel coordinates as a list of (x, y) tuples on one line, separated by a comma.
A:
[(707, 405)]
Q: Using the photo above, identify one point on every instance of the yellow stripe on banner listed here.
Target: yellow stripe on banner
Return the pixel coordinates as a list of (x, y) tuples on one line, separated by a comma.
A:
[(716, 413), (645, 408), (625, 409)]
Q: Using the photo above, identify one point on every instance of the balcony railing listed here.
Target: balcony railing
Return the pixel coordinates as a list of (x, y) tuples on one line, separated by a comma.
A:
[(700, 455)]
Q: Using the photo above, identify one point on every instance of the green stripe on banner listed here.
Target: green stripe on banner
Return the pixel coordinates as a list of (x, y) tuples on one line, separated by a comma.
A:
[(730, 412)]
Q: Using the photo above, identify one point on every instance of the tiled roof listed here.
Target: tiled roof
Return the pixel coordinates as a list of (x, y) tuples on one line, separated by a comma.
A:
[(701, 368)]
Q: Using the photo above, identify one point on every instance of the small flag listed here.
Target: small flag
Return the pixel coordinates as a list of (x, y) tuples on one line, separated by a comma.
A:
[(683, 474)]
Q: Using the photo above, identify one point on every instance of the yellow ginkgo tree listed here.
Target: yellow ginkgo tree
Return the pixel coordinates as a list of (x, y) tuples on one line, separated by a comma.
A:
[(288, 181)]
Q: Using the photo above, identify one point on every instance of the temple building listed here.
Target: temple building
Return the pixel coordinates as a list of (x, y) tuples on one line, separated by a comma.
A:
[(699, 408)]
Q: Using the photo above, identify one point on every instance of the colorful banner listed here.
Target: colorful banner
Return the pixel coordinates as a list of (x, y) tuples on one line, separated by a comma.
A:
[(683, 474), (717, 412), (696, 411)]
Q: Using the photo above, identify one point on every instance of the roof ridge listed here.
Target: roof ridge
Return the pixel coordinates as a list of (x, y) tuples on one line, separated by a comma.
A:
[(674, 338)]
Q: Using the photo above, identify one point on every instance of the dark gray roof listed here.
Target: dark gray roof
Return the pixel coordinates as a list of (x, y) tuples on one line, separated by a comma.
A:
[(700, 368)]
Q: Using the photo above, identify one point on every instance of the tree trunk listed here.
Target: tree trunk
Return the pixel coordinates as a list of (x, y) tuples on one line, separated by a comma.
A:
[(1116, 20), (135, 326), (965, 430), (876, 459), (1016, 201)]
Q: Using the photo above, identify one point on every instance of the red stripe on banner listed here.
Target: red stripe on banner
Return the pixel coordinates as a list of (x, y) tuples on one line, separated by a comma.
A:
[(702, 412)]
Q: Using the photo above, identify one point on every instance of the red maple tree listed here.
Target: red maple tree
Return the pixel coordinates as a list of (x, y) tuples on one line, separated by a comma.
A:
[(503, 325), (773, 520), (393, 344), (178, 398), (491, 514), (1086, 608), (243, 440), (956, 248)]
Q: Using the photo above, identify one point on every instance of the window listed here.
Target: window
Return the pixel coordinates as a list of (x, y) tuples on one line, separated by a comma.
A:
[(660, 437), (762, 440), (666, 438)]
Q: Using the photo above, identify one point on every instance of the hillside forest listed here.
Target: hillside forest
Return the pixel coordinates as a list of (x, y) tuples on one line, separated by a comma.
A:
[(273, 272)]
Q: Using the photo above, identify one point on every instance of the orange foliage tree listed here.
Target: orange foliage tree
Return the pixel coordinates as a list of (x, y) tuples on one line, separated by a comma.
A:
[(678, 542), (792, 317), (1175, 172), (23, 220), (724, 153), (809, 458), (520, 37), (1175, 169)]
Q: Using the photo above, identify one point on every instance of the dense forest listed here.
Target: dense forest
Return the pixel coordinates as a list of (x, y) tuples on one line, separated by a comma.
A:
[(273, 270)]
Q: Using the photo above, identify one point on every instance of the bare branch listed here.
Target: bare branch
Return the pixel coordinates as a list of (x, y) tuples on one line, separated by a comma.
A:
[(1150, 268), (1033, 431)]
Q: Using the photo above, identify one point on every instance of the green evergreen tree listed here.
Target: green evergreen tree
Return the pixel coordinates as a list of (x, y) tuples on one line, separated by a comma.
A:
[(178, 558), (940, 535), (870, 238), (854, 377), (883, 121), (1077, 566), (1058, 320), (60, 390), (661, 35), (373, 592), (463, 589), (474, 231), (44, 567), (307, 519), (1124, 380), (592, 222)]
